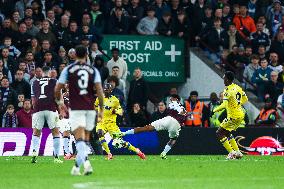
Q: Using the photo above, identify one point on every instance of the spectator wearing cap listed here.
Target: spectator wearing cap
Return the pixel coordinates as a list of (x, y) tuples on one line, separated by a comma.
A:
[(20, 85), (97, 17), (249, 70), (274, 15), (24, 115), (118, 61), (231, 37), (160, 7), (148, 25), (46, 34), (136, 13), (138, 90), (166, 26), (261, 77), (259, 38), (72, 55), (277, 46), (61, 28), (268, 115), (244, 23), (273, 87), (118, 23), (274, 64), (71, 38), (196, 111), (7, 96), (32, 30), (100, 65)]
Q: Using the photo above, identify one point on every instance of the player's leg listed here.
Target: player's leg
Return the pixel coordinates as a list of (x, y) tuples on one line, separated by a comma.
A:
[(37, 125), (222, 135), (52, 119), (231, 138), (87, 140), (139, 130), (66, 142), (168, 147), (101, 135)]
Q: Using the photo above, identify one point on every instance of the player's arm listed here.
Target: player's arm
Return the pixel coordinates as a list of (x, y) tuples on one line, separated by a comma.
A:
[(100, 94), (117, 108), (224, 103), (33, 96), (59, 86), (244, 98)]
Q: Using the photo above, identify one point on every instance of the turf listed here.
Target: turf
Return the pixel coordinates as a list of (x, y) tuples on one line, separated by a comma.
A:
[(177, 172)]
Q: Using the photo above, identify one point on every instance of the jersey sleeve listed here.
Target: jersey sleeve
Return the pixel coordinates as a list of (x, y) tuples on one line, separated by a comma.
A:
[(244, 98), (97, 76), (96, 104), (226, 94), (63, 76)]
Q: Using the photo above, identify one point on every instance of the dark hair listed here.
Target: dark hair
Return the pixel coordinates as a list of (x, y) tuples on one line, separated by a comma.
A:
[(114, 49), (115, 67), (81, 51), (230, 75), (175, 96), (194, 93), (114, 79), (45, 69), (254, 56), (263, 59)]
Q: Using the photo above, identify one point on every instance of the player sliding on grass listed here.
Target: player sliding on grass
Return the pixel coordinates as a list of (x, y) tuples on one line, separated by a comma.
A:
[(234, 98), (108, 124), (172, 123)]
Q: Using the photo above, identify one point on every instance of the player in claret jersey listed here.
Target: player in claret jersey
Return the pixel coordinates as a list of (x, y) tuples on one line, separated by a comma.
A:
[(233, 100), (84, 81), (45, 109), (171, 123)]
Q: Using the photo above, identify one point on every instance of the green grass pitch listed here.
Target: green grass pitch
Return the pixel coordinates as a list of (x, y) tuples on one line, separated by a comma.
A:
[(129, 172)]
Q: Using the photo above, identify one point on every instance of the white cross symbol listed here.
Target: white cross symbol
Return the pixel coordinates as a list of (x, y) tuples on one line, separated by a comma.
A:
[(173, 53)]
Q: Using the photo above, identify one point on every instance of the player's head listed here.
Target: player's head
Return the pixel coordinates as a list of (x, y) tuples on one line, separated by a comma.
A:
[(45, 71), (81, 52), (228, 78), (175, 97), (107, 89)]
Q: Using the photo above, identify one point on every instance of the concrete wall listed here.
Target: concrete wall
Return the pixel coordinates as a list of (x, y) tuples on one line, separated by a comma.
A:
[(204, 80)]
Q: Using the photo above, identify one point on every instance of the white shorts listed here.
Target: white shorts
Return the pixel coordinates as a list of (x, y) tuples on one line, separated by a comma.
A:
[(64, 125), (82, 118), (168, 123), (39, 118)]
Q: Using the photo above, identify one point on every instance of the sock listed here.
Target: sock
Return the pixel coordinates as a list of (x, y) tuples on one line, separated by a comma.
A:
[(167, 149), (129, 132), (35, 140), (81, 153), (130, 147), (226, 144), (56, 146), (233, 143), (104, 144), (66, 144)]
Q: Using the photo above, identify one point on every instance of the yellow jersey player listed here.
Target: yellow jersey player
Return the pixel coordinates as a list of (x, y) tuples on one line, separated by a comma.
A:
[(234, 98), (108, 124)]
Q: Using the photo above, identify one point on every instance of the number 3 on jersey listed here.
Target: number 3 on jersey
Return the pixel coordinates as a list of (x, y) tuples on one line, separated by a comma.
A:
[(83, 81)]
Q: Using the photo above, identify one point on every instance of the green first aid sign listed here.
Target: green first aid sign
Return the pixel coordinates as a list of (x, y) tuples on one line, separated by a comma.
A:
[(161, 59)]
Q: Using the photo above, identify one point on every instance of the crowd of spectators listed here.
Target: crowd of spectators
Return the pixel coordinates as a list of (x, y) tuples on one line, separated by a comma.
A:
[(246, 37)]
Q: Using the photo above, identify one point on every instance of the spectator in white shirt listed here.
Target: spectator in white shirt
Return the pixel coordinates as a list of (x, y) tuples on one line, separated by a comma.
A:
[(119, 62)]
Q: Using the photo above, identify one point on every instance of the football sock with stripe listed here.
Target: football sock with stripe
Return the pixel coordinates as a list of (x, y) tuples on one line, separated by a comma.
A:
[(226, 144), (56, 146), (233, 143), (35, 141), (129, 132), (104, 144), (130, 147), (66, 141)]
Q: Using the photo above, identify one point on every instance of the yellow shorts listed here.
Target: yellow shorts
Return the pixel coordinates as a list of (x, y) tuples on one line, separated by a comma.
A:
[(231, 124), (108, 127)]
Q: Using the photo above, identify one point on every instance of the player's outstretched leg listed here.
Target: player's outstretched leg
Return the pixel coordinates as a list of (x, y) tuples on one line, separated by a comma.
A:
[(222, 137), (104, 144), (35, 144), (167, 148), (88, 169), (138, 130), (235, 146), (129, 146), (56, 144)]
